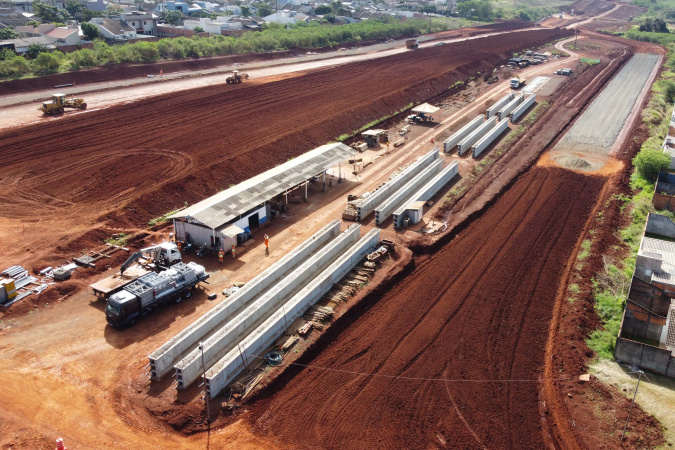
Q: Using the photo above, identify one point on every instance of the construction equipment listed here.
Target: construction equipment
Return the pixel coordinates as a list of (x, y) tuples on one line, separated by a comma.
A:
[(236, 77), (517, 82), (412, 44), (565, 72), (151, 290), (59, 102), (161, 256)]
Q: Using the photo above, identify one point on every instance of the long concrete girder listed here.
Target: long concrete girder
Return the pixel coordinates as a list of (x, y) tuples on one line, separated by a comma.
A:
[(250, 347), (163, 359), (189, 368)]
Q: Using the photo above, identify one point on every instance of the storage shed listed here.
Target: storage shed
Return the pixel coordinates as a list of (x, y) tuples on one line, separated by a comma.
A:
[(220, 221)]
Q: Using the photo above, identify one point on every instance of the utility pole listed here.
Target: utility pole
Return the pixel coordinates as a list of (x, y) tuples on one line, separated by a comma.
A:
[(631, 404), (576, 34), (206, 394)]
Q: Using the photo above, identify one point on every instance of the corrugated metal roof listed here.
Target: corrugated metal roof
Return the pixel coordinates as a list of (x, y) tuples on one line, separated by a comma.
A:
[(227, 205), (667, 251)]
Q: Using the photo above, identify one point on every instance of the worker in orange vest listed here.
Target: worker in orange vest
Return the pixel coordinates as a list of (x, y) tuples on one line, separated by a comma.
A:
[(221, 254), (233, 251), (267, 245)]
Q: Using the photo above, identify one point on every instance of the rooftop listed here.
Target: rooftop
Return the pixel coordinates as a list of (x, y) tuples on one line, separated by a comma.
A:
[(221, 208), (666, 250)]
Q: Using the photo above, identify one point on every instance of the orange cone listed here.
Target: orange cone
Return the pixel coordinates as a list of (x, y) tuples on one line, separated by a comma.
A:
[(60, 445)]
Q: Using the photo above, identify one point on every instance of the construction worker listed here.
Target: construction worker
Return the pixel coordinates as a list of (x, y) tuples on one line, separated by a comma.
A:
[(221, 255), (234, 251), (267, 245)]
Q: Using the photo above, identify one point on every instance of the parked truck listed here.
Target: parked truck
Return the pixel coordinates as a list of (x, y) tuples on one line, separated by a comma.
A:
[(152, 290), (152, 259), (517, 82), (412, 44)]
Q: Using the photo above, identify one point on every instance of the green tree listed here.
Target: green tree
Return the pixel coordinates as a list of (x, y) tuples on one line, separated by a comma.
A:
[(199, 30), (33, 23), (34, 50), (48, 62), (87, 14), (49, 13), (7, 53), (265, 10), (8, 33), (322, 9), (74, 8), (245, 11), (173, 17), (330, 18), (650, 161), (90, 31)]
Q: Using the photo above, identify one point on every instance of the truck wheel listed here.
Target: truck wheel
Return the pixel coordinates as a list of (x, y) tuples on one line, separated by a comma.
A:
[(187, 294), (83, 106)]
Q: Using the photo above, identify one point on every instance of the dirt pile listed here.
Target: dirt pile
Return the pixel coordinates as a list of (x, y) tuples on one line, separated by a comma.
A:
[(130, 163), (451, 355)]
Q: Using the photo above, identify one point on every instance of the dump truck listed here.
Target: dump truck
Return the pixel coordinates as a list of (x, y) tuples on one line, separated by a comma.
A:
[(236, 77), (152, 259), (152, 290), (517, 82), (412, 43), (59, 103)]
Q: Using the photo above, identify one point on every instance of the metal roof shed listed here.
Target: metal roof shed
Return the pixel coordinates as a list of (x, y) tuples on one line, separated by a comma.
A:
[(227, 205), (425, 108)]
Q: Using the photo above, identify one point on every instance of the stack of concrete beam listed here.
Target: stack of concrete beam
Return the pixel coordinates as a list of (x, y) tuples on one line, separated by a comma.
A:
[(453, 140), (491, 135), (377, 197), (163, 359), (506, 110), (226, 336), (250, 347), (492, 110), (520, 110), (429, 190), (389, 206), (478, 133)]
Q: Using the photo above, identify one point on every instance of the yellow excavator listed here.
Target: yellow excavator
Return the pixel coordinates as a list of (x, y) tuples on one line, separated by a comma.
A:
[(59, 103), (236, 77)]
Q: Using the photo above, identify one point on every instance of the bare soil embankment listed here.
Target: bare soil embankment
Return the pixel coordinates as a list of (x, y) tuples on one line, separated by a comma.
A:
[(127, 164)]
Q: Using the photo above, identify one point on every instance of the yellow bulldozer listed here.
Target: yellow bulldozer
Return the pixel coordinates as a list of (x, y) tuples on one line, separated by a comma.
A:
[(236, 77), (59, 103)]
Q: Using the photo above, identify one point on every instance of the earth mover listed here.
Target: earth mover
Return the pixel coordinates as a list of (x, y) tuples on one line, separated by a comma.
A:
[(59, 103), (236, 77)]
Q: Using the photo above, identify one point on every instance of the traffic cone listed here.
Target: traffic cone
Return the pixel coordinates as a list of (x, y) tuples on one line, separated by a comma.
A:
[(60, 445)]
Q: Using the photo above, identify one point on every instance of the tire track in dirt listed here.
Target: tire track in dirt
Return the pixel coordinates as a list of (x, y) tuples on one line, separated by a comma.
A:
[(489, 324)]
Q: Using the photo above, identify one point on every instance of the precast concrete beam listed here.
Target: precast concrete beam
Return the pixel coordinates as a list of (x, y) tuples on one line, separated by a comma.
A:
[(389, 206), (248, 349), (504, 112), (478, 133), (491, 135), (453, 140), (189, 368), (429, 190), (377, 197), (163, 359), (492, 110), (522, 108)]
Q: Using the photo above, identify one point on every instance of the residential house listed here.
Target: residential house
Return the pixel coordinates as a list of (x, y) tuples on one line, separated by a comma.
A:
[(20, 46), (143, 23), (20, 5), (114, 29), (58, 36), (647, 334), (95, 5)]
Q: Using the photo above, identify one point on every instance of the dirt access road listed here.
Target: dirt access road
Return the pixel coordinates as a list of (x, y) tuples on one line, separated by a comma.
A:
[(66, 177), (20, 109), (451, 355)]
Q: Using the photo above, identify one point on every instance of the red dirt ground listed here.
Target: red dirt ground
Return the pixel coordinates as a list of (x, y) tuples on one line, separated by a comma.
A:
[(127, 164), (476, 311), (126, 71)]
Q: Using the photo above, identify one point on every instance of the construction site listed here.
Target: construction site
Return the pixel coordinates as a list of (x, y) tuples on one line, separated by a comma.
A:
[(363, 249)]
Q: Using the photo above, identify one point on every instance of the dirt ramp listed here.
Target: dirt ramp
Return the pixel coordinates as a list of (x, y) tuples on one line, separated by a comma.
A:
[(449, 356)]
